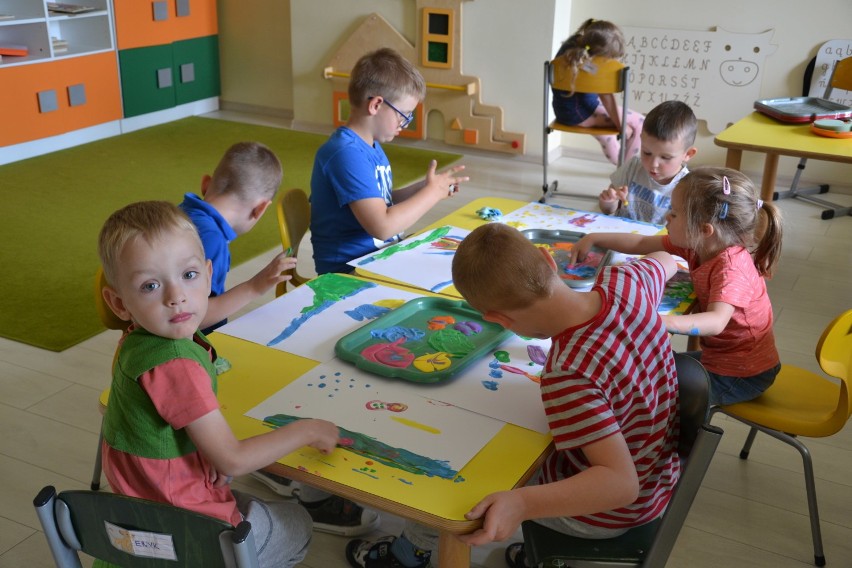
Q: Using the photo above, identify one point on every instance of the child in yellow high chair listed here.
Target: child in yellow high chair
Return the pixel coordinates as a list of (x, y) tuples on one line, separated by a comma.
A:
[(596, 38)]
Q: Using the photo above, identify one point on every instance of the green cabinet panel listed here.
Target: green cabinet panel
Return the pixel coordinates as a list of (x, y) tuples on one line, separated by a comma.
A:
[(196, 63), (143, 85), (162, 76)]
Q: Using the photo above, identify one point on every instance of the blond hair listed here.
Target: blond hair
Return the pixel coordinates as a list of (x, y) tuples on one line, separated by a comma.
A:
[(384, 73), (148, 220), (248, 170), (496, 268), (735, 216), (595, 38)]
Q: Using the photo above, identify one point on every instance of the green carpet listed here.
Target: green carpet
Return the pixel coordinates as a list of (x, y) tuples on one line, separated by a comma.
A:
[(54, 206)]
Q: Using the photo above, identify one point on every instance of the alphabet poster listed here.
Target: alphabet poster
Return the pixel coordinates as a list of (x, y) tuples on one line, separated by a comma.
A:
[(828, 53), (717, 73)]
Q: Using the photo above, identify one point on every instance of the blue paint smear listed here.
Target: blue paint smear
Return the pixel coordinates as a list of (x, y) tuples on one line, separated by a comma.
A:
[(496, 374), (376, 450), (406, 481), (397, 332), (490, 385), (441, 286), (366, 312), (297, 323)]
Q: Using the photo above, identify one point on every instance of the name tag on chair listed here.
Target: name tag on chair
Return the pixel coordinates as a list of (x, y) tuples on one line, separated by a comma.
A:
[(589, 67), (139, 543)]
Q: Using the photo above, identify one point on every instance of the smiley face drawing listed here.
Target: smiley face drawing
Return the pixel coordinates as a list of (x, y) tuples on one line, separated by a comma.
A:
[(739, 72)]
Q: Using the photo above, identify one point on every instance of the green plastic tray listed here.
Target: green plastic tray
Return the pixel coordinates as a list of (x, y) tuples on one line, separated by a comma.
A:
[(396, 354), (583, 274)]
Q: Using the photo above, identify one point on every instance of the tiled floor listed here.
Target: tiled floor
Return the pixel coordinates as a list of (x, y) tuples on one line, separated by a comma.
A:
[(747, 513)]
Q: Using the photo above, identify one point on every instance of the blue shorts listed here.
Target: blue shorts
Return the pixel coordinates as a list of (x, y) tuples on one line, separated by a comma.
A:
[(726, 390), (574, 109)]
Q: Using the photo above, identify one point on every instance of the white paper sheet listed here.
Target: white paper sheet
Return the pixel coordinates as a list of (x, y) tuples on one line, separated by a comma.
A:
[(503, 386), (542, 216), (424, 261), (292, 323), (396, 415)]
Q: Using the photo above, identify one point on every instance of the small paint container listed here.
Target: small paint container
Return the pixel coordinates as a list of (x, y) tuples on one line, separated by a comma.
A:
[(833, 125)]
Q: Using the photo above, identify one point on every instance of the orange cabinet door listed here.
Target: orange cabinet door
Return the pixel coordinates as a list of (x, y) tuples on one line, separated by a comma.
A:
[(57, 97), (141, 23)]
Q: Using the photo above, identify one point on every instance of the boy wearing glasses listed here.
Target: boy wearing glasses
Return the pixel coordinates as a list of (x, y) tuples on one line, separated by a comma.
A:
[(353, 208)]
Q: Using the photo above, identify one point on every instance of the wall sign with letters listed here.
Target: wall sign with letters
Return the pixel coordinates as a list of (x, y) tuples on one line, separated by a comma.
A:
[(717, 73)]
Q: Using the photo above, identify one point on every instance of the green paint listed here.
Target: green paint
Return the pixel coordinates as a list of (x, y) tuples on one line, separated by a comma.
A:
[(393, 249), (502, 356), (332, 288), (451, 341)]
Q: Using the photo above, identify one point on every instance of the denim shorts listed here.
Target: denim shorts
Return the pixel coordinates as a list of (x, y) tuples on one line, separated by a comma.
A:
[(574, 109), (729, 390)]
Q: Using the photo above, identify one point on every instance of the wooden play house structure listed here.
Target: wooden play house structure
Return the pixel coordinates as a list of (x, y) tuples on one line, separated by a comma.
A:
[(453, 100)]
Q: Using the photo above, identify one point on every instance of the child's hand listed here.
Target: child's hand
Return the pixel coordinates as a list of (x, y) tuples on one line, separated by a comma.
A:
[(445, 182), (272, 273), (219, 480), (580, 249), (503, 514), (611, 198), (324, 434)]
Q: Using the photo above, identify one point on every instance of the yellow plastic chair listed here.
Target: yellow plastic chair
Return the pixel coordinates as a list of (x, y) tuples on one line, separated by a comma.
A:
[(802, 403), (294, 218), (601, 76), (841, 78)]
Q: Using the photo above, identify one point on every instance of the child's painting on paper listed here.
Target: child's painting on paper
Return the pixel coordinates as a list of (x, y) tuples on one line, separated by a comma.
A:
[(423, 261), (309, 320), (408, 429)]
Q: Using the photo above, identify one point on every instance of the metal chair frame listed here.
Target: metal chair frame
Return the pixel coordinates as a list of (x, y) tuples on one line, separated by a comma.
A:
[(841, 78)]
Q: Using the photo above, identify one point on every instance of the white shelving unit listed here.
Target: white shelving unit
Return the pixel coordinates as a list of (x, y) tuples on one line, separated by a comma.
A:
[(33, 25)]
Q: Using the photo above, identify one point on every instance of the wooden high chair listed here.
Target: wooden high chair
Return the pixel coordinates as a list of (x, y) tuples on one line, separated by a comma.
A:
[(600, 76)]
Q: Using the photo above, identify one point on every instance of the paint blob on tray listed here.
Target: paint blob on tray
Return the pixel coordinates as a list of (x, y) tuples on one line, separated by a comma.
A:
[(426, 340), (559, 245)]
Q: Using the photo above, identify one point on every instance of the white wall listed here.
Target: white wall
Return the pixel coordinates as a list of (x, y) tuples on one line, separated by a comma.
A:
[(319, 28), (255, 55), (800, 28), (505, 42)]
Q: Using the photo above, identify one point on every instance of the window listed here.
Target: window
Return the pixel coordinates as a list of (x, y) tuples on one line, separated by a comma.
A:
[(438, 38)]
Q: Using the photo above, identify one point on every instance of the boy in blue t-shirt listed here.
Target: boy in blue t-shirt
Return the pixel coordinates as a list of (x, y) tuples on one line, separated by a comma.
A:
[(353, 208), (233, 199)]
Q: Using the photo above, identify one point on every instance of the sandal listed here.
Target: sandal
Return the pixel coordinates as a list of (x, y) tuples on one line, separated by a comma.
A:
[(516, 556)]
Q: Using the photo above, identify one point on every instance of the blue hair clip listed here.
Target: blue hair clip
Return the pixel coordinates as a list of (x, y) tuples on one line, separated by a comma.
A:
[(723, 211)]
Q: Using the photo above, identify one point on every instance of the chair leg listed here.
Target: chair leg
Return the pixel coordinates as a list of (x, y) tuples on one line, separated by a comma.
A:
[(747, 445), (808, 466), (795, 190), (96, 474)]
